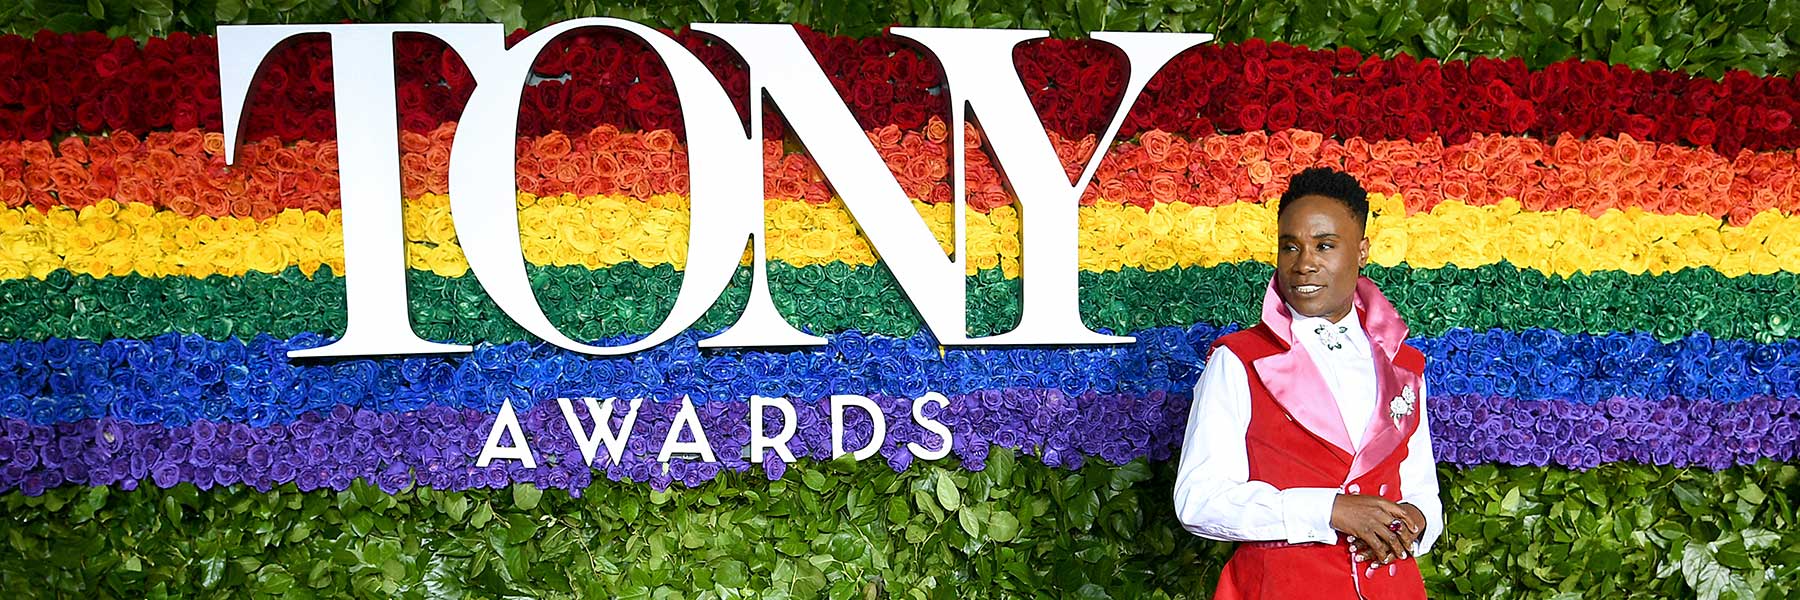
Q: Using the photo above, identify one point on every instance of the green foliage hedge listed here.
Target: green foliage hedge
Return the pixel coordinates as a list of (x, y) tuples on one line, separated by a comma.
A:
[(1704, 37), (848, 530)]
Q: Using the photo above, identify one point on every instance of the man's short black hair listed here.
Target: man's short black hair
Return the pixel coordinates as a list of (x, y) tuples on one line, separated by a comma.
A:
[(1330, 183)]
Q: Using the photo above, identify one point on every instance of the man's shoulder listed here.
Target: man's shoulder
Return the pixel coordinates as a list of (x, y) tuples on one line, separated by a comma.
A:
[(1250, 344)]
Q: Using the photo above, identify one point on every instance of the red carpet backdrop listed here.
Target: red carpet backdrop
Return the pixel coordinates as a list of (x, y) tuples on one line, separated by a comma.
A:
[(1590, 217)]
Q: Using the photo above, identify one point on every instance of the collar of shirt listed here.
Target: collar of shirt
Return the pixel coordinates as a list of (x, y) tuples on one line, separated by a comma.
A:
[(1349, 329)]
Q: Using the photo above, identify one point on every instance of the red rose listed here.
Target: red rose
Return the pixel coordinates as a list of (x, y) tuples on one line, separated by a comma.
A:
[(455, 72), (1255, 73), (909, 115), (585, 104), (1250, 117), (184, 116), (318, 75), (89, 117), (1639, 127), (1520, 116), (1777, 120), (1282, 116), (1701, 132), (322, 126)]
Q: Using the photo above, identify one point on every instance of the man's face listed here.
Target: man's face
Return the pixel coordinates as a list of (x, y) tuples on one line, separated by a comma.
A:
[(1319, 256)]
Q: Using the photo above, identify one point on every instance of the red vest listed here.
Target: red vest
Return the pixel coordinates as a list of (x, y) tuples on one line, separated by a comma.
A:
[(1286, 454)]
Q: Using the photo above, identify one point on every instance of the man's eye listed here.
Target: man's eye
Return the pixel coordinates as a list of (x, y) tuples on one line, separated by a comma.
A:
[(1326, 246)]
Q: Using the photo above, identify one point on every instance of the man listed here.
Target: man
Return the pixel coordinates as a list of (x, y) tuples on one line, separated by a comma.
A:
[(1307, 440)]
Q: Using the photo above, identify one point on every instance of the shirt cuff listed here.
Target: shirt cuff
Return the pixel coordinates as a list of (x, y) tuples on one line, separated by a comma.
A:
[(1306, 513)]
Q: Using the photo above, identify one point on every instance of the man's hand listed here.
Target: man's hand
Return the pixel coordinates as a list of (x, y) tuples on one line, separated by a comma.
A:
[(1366, 520)]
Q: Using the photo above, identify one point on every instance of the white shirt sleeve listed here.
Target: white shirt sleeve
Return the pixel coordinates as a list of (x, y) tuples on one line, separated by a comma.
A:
[(1419, 482), (1214, 496)]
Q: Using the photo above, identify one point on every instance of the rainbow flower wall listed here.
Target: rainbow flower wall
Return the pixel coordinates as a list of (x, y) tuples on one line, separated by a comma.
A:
[(1599, 262)]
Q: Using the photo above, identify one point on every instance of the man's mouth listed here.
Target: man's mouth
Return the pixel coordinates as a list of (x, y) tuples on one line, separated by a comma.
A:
[(1307, 289)]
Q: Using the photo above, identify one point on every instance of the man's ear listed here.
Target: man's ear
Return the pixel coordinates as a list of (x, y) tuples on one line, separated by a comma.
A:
[(1362, 251)]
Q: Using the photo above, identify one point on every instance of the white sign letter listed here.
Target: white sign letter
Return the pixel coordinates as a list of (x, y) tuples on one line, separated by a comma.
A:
[(520, 450), (602, 416), (879, 425), (759, 443), (930, 425), (686, 419)]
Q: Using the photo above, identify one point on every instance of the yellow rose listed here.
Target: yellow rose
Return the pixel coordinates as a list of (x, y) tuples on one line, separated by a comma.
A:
[(649, 251), (266, 257), (675, 246), (984, 261), (1008, 246), (817, 246), (788, 214), (446, 261), (1159, 257)]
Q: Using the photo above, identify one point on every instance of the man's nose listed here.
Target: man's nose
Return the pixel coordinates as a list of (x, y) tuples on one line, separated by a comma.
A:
[(1308, 262)]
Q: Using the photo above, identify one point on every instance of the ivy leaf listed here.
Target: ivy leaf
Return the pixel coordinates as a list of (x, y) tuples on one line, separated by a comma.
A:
[(1710, 579)]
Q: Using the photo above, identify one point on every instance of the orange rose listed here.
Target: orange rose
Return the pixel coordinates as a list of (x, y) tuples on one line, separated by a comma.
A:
[(659, 140), (1282, 171), (37, 152), (566, 172), (1280, 148), (263, 209), (660, 162), (444, 134), (1356, 148), (1248, 153), (936, 131), (1629, 197), (414, 142), (1721, 179), (921, 169), (886, 136), (1165, 187), (1216, 148), (1177, 161), (1260, 172), (12, 194), (1381, 150), (1113, 189), (123, 142), (1156, 144), (1307, 142), (1403, 154), (38, 178), (552, 145), (530, 167), (187, 142), (607, 164), (971, 136), (73, 148)]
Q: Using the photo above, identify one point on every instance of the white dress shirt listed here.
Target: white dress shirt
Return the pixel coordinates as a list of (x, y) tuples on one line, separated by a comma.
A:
[(1214, 496)]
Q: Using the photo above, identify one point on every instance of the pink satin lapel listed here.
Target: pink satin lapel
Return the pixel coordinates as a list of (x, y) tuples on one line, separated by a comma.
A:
[(1295, 381), (1386, 333), (1298, 387), (1382, 437)]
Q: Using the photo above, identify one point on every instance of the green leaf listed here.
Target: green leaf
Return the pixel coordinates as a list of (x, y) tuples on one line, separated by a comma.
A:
[(526, 496), (947, 494), (1710, 579), (815, 480), (520, 528), (1004, 527), (1645, 57)]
